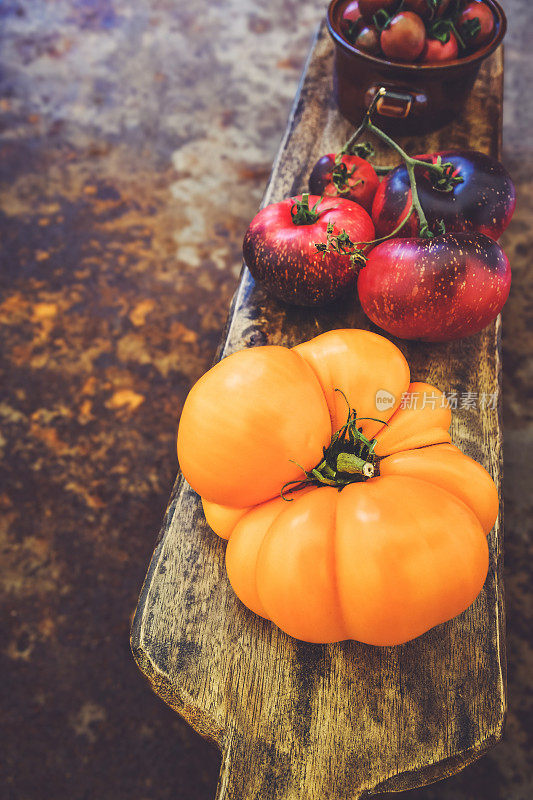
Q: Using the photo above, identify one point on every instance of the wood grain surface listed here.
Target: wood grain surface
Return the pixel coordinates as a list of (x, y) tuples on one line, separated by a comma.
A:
[(301, 721)]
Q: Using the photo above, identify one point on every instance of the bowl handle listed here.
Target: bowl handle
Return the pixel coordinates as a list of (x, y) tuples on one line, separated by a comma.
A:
[(394, 102)]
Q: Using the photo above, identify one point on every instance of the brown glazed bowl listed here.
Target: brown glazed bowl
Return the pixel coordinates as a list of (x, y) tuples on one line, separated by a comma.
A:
[(418, 97)]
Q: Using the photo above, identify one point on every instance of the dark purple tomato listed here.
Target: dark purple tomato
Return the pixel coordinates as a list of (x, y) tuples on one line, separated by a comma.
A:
[(367, 40), (477, 10), (404, 38), (484, 201), (370, 7), (435, 289), (282, 256), (436, 51), (427, 9), (354, 179)]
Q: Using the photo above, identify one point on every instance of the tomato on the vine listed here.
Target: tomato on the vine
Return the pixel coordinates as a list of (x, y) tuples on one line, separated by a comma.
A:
[(435, 289), (350, 177), (483, 201)]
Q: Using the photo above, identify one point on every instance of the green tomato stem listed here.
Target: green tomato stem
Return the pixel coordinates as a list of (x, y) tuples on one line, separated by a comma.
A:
[(353, 465), (446, 181)]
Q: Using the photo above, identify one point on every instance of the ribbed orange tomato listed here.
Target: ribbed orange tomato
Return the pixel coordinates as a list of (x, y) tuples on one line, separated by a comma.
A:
[(344, 521)]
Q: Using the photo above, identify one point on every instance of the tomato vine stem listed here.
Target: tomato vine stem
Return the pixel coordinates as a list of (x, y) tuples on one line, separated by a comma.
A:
[(442, 173), (410, 167)]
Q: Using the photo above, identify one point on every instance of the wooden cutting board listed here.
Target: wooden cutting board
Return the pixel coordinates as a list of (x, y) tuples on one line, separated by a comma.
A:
[(297, 721)]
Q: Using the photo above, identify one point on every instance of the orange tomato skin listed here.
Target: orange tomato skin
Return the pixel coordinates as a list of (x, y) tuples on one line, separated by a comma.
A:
[(295, 570), (409, 555), (361, 364), (222, 519), (243, 549), (446, 466), (242, 423), (381, 562), (423, 421)]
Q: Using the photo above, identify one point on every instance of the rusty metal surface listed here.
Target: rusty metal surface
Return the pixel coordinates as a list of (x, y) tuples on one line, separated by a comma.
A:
[(135, 141)]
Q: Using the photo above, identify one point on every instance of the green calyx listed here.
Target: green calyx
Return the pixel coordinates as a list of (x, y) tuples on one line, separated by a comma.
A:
[(470, 29), (340, 175), (349, 458), (442, 29), (302, 214), (442, 177)]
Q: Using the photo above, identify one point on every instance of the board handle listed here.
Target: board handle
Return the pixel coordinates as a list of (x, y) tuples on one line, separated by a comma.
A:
[(246, 774), (255, 771)]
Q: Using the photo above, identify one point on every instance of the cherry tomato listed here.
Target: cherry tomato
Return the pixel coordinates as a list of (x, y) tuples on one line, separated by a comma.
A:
[(436, 51), (367, 39), (478, 10), (427, 9), (435, 289), (484, 201), (350, 15), (354, 179), (280, 250), (370, 7), (404, 38)]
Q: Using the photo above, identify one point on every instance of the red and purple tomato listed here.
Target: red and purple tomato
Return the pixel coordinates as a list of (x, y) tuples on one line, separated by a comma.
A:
[(404, 38), (282, 255), (435, 289), (485, 200), (354, 179), (436, 52)]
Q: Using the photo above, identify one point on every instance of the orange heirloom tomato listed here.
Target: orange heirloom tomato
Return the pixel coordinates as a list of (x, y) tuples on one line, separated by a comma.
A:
[(270, 436)]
